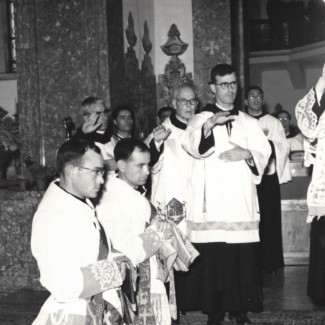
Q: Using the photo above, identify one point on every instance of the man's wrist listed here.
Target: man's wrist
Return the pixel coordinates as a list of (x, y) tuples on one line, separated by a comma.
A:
[(249, 155), (207, 127)]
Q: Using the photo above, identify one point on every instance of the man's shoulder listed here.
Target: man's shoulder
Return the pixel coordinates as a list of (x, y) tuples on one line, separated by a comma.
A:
[(271, 119), (244, 116)]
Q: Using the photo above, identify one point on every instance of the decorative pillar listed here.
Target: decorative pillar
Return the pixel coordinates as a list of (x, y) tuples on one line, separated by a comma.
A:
[(62, 57), (218, 38), (175, 71)]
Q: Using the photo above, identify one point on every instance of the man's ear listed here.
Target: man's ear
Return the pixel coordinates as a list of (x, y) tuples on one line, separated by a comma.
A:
[(121, 165), (246, 102), (213, 88), (174, 103), (70, 171), (114, 121)]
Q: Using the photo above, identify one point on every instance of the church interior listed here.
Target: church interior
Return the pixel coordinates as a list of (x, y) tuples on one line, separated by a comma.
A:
[(53, 54)]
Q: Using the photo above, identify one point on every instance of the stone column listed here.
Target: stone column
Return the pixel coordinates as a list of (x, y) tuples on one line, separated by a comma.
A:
[(62, 57), (218, 38)]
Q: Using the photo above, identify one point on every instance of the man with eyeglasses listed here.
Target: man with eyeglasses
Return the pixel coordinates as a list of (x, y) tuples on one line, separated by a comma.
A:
[(222, 220), (95, 127), (169, 160), (276, 173), (170, 165), (73, 254), (294, 137)]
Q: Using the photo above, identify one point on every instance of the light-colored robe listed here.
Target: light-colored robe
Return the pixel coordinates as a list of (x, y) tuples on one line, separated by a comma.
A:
[(169, 175), (281, 146), (125, 215), (65, 242), (224, 205)]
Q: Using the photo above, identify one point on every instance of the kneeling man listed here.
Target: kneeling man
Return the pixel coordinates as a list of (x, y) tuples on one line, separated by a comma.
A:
[(126, 214), (70, 246)]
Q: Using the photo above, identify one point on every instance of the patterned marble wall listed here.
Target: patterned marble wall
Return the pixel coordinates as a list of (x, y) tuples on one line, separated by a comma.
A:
[(62, 57), (18, 267), (212, 41)]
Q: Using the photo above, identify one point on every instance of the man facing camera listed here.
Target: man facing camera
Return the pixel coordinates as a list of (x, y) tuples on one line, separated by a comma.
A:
[(231, 153), (70, 246), (276, 173)]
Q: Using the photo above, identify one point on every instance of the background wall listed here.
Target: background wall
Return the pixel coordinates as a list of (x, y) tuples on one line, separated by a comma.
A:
[(141, 10), (278, 88), (168, 12), (8, 96)]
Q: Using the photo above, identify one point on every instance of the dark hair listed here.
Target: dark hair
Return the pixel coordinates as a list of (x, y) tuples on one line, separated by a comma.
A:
[(282, 111), (120, 108), (221, 70), (165, 109), (255, 87), (125, 147), (71, 153)]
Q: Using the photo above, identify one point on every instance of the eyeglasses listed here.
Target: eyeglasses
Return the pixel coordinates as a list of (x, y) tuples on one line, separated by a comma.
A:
[(99, 172), (226, 85), (283, 118), (185, 102), (256, 96)]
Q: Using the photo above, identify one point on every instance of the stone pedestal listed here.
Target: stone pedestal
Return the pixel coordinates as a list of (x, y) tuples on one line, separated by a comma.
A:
[(18, 267)]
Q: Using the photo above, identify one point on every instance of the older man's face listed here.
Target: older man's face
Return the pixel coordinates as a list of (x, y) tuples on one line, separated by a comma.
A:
[(185, 104), (101, 112)]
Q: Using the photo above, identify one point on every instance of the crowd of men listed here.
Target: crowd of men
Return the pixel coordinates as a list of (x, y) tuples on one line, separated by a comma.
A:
[(115, 248)]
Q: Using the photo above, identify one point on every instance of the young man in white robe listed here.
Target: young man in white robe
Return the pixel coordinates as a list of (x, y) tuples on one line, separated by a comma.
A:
[(72, 252), (276, 173), (123, 120), (126, 214), (231, 154)]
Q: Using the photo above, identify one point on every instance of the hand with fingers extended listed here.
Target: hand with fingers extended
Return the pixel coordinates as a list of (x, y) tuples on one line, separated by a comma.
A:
[(235, 154), (160, 133), (93, 122), (218, 118)]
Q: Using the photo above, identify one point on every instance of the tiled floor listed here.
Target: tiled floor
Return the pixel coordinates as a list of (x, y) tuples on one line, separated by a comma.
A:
[(284, 293)]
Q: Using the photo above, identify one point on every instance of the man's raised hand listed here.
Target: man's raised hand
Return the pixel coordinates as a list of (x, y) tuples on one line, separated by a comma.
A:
[(160, 133), (218, 118), (92, 123)]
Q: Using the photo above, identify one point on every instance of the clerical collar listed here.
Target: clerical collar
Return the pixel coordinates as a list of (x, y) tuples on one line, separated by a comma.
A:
[(258, 116), (141, 190), (213, 108), (176, 122), (80, 199), (119, 136)]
